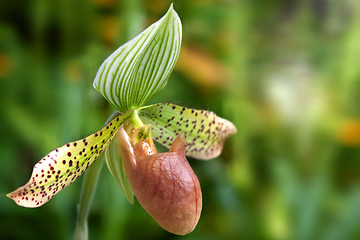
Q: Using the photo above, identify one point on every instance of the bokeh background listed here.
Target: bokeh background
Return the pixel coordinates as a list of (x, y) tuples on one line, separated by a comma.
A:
[(287, 73)]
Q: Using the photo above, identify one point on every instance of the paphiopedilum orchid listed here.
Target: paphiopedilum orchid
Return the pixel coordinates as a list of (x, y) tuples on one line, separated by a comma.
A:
[(164, 183)]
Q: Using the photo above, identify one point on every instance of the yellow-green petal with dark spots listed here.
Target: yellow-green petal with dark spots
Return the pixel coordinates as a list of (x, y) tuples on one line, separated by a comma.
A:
[(64, 165), (204, 131)]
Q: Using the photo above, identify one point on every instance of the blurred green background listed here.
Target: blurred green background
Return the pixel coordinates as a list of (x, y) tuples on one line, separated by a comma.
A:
[(287, 73)]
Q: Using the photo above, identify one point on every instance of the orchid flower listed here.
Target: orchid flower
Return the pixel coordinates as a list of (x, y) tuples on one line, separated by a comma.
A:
[(164, 183)]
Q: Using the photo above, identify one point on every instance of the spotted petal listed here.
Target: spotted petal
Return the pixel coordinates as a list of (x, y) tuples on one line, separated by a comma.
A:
[(64, 165), (140, 68), (204, 131)]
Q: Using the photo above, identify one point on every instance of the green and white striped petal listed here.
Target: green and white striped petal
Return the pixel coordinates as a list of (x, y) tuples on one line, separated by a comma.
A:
[(64, 165), (205, 132), (136, 71)]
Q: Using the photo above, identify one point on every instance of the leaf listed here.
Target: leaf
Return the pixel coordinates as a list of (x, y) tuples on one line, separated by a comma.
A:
[(205, 132), (64, 165), (115, 165), (139, 69)]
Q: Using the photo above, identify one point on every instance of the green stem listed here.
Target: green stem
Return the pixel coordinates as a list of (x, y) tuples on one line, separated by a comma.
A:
[(87, 195), (86, 198), (135, 119), (133, 122)]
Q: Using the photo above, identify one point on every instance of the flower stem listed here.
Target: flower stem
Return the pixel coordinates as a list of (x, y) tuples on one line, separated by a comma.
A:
[(87, 195)]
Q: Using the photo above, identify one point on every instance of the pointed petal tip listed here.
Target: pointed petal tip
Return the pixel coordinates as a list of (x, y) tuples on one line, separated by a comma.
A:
[(173, 13), (171, 8), (179, 143), (22, 197), (231, 127)]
